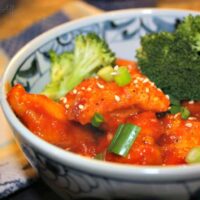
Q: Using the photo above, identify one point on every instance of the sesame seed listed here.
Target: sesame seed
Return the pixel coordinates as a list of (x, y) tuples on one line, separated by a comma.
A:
[(192, 118), (63, 99), (114, 73), (117, 98), (176, 115), (139, 78), (97, 77), (66, 106), (100, 85), (89, 89), (74, 91), (167, 96), (145, 80), (152, 84), (116, 67), (82, 88), (147, 90), (191, 102), (135, 81), (81, 107), (188, 125), (144, 150), (169, 125)]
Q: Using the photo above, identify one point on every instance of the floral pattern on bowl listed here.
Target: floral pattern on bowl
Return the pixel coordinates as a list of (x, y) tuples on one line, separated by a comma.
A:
[(121, 32)]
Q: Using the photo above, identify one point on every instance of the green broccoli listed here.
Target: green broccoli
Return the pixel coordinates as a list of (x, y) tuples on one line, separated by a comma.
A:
[(172, 60), (71, 68), (60, 67)]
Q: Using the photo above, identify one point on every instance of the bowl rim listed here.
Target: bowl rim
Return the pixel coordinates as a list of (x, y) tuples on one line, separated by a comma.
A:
[(90, 166)]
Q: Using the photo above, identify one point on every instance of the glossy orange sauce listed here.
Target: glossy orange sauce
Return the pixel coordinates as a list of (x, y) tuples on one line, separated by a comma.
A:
[(163, 140)]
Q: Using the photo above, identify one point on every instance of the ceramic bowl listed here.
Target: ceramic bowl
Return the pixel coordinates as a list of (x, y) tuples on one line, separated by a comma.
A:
[(74, 176)]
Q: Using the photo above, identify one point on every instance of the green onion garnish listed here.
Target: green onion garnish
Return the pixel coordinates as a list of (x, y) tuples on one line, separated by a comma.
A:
[(106, 73), (123, 139), (185, 113), (122, 76), (175, 105), (193, 156), (175, 109), (97, 120)]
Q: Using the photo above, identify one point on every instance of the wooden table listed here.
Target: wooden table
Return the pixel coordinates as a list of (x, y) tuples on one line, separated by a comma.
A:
[(181, 4), (27, 12)]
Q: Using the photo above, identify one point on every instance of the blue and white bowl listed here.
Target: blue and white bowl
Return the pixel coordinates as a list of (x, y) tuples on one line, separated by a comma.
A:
[(74, 176)]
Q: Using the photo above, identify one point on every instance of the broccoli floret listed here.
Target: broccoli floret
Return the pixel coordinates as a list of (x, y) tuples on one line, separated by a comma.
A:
[(71, 68), (60, 67), (189, 29), (172, 60)]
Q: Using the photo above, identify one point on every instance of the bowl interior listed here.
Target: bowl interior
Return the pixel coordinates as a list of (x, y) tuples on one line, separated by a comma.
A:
[(122, 31)]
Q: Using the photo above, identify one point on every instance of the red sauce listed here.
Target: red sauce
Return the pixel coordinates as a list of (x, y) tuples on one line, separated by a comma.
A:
[(162, 141)]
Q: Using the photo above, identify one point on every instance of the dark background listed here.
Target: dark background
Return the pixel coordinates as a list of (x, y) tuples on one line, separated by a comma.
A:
[(37, 191)]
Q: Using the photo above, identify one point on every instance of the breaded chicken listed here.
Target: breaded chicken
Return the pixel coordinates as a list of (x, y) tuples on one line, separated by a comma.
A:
[(179, 137), (95, 95), (47, 119), (144, 150)]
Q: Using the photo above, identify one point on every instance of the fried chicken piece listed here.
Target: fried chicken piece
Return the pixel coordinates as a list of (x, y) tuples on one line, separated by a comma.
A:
[(113, 119), (47, 119), (179, 137), (95, 95), (144, 150)]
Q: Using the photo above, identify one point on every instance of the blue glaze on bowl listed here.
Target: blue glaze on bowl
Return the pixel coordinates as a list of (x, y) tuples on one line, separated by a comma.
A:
[(70, 183), (119, 33)]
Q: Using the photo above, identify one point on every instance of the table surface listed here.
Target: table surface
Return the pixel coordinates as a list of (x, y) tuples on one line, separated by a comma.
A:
[(25, 13), (22, 15)]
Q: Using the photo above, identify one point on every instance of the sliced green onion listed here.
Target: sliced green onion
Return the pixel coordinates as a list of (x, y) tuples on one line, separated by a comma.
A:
[(106, 73), (123, 139), (193, 156), (97, 120), (175, 109), (122, 76), (185, 113)]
